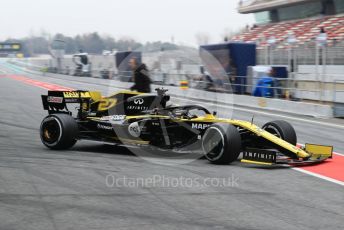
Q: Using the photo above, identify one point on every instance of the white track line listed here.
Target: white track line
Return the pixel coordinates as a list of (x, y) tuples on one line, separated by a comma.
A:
[(271, 114), (319, 176)]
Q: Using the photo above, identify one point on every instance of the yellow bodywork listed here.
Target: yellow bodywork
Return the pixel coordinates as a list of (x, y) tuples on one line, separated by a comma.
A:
[(243, 124), (256, 162), (319, 150), (104, 103), (108, 102)]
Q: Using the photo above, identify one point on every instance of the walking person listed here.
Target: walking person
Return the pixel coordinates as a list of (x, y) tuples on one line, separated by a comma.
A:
[(140, 77)]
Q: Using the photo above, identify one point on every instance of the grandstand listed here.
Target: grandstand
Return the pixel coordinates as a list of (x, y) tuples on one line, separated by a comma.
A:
[(302, 18)]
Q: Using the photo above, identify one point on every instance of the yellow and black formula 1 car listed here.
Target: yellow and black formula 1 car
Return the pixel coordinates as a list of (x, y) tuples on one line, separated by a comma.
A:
[(129, 118)]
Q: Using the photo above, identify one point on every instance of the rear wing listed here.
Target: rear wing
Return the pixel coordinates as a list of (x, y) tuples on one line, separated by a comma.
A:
[(56, 101)]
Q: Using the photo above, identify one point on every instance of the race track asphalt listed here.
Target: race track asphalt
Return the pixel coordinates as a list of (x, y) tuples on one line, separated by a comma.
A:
[(45, 189)]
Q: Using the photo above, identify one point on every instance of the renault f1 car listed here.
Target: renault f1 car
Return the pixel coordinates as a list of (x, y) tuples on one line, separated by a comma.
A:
[(130, 118)]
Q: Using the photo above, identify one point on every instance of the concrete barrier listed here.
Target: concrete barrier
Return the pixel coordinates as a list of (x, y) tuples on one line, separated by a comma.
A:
[(271, 104)]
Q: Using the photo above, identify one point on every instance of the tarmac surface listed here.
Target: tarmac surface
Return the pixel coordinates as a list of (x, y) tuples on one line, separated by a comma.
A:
[(94, 186)]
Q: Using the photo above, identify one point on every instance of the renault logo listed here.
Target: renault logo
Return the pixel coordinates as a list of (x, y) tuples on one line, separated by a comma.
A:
[(138, 101)]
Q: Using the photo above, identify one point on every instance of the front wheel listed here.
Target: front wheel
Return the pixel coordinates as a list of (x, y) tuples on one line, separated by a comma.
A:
[(221, 143), (59, 131), (283, 130)]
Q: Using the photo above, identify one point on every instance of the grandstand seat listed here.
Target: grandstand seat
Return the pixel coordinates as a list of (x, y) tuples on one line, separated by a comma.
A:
[(304, 30)]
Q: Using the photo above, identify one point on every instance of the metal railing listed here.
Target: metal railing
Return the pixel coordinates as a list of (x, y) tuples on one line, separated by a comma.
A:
[(303, 55)]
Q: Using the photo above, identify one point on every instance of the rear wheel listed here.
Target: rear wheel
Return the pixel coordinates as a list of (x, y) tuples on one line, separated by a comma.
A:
[(221, 143), (283, 130), (59, 131)]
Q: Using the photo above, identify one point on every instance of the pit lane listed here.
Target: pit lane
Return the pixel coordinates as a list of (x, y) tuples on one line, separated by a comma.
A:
[(44, 189)]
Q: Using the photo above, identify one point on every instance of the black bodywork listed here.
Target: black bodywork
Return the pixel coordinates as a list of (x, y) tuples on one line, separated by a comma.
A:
[(158, 125)]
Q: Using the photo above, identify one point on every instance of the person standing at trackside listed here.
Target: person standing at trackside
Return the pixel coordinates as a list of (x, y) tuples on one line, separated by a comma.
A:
[(140, 77)]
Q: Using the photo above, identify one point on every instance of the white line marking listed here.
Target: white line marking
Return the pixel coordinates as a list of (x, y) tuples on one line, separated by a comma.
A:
[(319, 176), (271, 114)]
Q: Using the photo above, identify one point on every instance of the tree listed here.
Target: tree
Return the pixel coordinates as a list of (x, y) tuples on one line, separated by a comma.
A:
[(92, 43)]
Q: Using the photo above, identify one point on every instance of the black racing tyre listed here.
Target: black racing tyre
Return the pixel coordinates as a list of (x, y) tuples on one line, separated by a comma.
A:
[(59, 131), (283, 130), (221, 143)]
